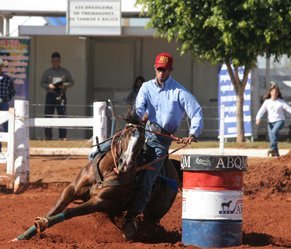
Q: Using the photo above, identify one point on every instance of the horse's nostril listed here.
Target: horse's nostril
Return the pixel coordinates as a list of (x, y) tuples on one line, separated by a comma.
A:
[(120, 161)]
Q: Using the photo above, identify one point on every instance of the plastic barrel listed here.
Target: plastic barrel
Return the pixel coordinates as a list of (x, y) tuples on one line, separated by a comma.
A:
[(212, 202)]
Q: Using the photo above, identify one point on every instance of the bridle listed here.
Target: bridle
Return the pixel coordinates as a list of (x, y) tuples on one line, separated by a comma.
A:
[(147, 166), (116, 140)]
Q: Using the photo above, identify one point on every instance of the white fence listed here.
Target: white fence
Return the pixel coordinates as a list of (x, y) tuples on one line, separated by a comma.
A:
[(17, 138), (8, 158), (17, 156)]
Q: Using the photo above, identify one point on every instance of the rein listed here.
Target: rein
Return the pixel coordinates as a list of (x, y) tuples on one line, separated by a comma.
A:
[(113, 151), (148, 165)]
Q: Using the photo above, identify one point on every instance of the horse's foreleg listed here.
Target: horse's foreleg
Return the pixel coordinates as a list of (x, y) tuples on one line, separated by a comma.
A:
[(95, 204), (30, 232), (70, 193), (64, 200), (84, 178)]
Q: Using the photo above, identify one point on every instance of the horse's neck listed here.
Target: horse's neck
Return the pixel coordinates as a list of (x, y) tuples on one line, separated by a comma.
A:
[(106, 164)]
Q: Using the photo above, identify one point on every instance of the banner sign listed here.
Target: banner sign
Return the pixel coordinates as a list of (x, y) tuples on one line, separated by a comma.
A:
[(94, 17), (227, 98), (15, 54)]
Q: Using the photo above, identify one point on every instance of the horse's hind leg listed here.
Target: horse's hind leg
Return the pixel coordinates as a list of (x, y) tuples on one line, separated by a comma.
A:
[(84, 179)]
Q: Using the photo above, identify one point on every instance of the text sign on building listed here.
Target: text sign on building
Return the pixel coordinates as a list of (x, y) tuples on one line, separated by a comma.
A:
[(94, 17), (227, 98)]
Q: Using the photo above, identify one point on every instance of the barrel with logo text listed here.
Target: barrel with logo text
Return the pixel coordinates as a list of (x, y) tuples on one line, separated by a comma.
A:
[(212, 200)]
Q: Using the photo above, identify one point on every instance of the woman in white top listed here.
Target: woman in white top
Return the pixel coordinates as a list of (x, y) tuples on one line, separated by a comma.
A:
[(275, 106)]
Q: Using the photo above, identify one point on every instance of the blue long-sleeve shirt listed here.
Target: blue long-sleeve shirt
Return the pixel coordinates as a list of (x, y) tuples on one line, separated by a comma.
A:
[(168, 104)]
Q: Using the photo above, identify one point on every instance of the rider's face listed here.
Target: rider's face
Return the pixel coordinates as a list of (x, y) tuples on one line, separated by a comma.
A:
[(162, 74)]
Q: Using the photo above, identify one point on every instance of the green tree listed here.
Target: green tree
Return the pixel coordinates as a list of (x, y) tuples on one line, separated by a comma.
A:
[(234, 32)]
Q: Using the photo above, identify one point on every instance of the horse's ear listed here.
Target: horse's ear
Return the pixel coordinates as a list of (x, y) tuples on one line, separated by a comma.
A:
[(132, 117)]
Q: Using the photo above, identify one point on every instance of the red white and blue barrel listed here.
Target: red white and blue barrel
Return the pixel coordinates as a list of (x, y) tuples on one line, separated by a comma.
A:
[(212, 202)]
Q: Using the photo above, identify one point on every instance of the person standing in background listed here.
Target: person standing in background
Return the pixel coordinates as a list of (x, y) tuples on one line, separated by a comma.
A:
[(275, 106), (130, 99), (55, 81), (7, 92)]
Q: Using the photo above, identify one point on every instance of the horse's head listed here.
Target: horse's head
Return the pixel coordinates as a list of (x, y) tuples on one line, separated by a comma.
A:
[(127, 147)]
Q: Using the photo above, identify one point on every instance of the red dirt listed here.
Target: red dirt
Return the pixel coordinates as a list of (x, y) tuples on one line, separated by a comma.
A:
[(266, 218)]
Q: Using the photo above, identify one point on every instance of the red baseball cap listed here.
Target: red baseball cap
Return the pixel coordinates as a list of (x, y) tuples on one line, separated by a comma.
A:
[(164, 60)]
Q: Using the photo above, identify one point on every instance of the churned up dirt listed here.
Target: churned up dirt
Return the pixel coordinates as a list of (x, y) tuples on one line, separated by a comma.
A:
[(266, 215)]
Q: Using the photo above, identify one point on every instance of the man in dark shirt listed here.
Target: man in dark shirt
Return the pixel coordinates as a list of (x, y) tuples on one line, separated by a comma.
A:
[(55, 81), (7, 92)]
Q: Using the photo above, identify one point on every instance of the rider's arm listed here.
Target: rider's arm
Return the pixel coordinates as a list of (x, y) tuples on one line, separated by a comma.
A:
[(194, 112), (141, 102)]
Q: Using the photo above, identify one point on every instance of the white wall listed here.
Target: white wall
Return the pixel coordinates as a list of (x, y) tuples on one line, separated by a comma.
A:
[(73, 57), (105, 68)]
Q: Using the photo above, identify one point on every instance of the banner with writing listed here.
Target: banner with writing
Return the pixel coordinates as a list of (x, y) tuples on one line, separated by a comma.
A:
[(97, 17), (227, 98), (15, 54)]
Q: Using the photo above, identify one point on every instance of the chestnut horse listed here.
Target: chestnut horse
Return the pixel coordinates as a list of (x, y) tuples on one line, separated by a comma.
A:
[(108, 182)]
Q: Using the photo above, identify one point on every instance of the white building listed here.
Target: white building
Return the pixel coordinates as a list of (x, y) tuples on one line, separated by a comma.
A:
[(105, 66)]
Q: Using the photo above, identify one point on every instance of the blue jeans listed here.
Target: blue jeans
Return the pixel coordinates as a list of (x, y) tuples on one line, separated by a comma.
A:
[(273, 131), (157, 146), (103, 148), (51, 103), (4, 107)]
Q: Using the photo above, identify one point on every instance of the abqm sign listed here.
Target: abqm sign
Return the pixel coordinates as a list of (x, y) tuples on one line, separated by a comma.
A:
[(227, 98)]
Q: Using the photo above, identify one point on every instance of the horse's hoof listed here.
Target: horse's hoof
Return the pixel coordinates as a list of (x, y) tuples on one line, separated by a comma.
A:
[(14, 240), (40, 224)]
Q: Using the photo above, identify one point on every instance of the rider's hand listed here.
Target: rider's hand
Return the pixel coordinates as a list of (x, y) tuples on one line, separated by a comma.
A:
[(187, 140), (51, 86), (145, 118)]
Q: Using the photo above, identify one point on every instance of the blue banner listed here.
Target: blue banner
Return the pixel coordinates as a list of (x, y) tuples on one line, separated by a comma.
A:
[(227, 98)]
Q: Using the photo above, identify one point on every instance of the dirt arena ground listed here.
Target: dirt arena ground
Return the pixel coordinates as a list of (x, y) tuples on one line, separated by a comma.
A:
[(266, 217)]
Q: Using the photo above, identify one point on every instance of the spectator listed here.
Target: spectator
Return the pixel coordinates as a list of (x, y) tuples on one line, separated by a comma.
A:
[(275, 106), (55, 81), (7, 92), (130, 99), (161, 103)]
